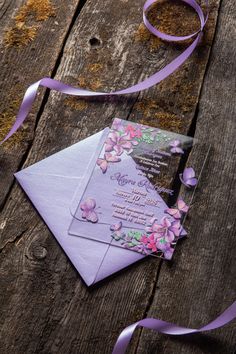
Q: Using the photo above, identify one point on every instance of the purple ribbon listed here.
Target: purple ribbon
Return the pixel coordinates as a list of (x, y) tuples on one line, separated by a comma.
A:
[(31, 92), (169, 328)]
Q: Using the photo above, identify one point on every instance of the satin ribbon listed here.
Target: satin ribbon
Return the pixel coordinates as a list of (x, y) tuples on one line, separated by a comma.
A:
[(31, 92), (169, 328)]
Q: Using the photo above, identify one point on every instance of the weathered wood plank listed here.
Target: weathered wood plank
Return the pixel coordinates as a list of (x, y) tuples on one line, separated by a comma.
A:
[(33, 33), (72, 318), (201, 282)]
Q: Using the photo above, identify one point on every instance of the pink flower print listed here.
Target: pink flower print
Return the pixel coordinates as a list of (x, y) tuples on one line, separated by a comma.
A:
[(182, 207), (138, 133), (149, 242), (133, 132), (152, 243), (130, 130), (108, 157), (144, 239), (88, 210), (117, 143), (118, 125)]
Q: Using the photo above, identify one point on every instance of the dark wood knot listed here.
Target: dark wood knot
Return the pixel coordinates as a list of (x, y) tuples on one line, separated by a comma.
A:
[(95, 42)]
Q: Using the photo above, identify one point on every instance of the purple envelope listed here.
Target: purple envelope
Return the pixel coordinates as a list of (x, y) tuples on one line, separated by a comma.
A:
[(51, 185), (57, 184)]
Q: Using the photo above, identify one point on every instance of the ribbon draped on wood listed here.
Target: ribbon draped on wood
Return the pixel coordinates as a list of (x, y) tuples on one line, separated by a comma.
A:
[(160, 75), (169, 328)]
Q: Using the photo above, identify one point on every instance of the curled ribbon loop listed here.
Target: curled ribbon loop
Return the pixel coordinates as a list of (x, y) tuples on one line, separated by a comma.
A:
[(169, 328), (31, 92)]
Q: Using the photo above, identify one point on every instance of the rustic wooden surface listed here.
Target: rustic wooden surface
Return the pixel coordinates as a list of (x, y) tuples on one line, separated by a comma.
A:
[(45, 307)]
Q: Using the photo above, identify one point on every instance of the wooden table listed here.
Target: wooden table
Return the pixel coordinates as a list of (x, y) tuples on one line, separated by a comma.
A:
[(102, 45)]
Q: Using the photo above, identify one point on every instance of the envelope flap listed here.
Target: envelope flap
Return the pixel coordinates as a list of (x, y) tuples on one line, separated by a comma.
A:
[(72, 161), (90, 157)]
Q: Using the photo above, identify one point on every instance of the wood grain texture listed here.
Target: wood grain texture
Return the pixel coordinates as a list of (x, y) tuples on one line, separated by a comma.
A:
[(45, 305), (201, 283), (31, 40)]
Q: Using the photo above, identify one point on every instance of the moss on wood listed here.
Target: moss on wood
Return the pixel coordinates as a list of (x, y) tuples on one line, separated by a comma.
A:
[(19, 35), (172, 17), (39, 10), (24, 28), (76, 103), (7, 119), (92, 83)]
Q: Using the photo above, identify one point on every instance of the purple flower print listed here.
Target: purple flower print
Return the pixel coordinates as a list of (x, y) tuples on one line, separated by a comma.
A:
[(154, 228), (141, 248), (156, 243), (117, 143), (116, 227), (166, 248), (143, 127), (188, 177), (117, 233), (170, 229), (175, 147), (167, 229), (168, 253)]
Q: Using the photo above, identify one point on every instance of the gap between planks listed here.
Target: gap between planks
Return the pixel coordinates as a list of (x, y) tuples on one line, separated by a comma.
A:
[(45, 96)]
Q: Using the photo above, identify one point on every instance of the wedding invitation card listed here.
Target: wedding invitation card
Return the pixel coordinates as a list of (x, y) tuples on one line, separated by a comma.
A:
[(130, 192)]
